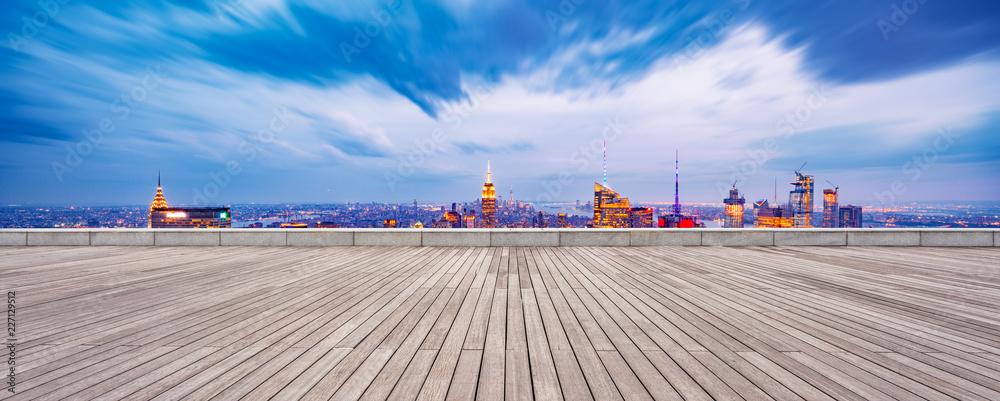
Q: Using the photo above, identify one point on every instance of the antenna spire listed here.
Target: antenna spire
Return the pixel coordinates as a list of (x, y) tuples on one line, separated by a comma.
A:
[(158, 178), (488, 171), (677, 180), (605, 164)]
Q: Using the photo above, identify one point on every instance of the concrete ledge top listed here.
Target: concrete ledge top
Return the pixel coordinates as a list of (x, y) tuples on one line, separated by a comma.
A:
[(963, 237)]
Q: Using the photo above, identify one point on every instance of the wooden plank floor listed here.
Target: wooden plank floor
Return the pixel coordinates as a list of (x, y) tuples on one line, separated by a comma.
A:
[(667, 323)]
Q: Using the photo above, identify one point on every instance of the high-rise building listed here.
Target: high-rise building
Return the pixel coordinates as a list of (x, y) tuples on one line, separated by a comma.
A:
[(771, 217), (734, 209), (850, 216), (191, 217), (540, 220), (610, 209), (489, 202), (831, 211), (642, 217), (158, 201), (470, 219), (801, 200), (562, 219)]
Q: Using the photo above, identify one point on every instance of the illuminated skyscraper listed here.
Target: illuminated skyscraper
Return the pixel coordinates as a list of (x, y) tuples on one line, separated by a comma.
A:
[(610, 209), (562, 220), (489, 202), (734, 209), (850, 216), (642, 217), (801, 200), (158, 201), (831, 211)]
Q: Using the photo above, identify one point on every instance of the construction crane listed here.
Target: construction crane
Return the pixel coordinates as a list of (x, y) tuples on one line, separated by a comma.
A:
[(835, 187), (800, 168)]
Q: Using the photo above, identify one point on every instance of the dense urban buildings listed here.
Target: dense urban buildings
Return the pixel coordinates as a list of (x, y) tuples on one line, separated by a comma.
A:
[(609, 208), (772, 216), (831, 210), (734, 209), (489, 202)]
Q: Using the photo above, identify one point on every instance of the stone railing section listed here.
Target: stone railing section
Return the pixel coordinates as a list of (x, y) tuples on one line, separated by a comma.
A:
[(501, 237)]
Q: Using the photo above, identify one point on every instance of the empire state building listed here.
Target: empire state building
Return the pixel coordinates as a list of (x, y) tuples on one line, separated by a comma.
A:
[(489, 202)]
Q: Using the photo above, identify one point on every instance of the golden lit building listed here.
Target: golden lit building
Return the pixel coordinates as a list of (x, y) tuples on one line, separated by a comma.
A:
[(610, 209), (489, 202), (772, 217), (158, 201), (831, 210), (163, 216), (642, 217)]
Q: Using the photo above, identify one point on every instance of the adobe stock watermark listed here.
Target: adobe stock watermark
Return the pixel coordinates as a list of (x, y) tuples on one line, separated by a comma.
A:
[(900, 16), (918, 164), (423, 149), (564, 10), (709, 34), (220, 179), (788, 125), (30, 27), (122, 106), (381, 17), (581, 158)]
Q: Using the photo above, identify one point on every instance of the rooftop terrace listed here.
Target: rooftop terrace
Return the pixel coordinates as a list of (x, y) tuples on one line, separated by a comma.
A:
[(694, 323)]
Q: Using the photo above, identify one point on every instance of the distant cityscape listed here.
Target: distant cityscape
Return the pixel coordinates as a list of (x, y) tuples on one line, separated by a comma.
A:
[(608, 209)]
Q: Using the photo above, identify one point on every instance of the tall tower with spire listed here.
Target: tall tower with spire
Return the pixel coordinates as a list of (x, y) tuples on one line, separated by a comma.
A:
[(158, 201), (611, 210), (489, 201), (677, 182)]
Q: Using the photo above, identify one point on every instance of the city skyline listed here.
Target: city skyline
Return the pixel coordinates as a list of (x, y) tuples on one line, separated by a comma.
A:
[(392, 101)]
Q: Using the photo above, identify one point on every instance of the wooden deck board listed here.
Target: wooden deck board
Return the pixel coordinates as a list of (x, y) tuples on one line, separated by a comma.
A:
[(505, 323)]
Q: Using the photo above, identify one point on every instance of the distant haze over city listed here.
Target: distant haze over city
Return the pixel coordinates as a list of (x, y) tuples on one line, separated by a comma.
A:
[(390, 101)]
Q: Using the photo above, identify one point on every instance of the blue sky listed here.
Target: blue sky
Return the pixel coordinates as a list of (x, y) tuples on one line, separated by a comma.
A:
[(314, 101)]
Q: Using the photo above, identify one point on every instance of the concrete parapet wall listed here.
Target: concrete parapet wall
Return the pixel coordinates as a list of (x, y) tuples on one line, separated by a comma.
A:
[(737, 237), (813, 237), (320, 237), (882, 237), (388, 237), (524, 237), (501, 237), (595, 237)]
